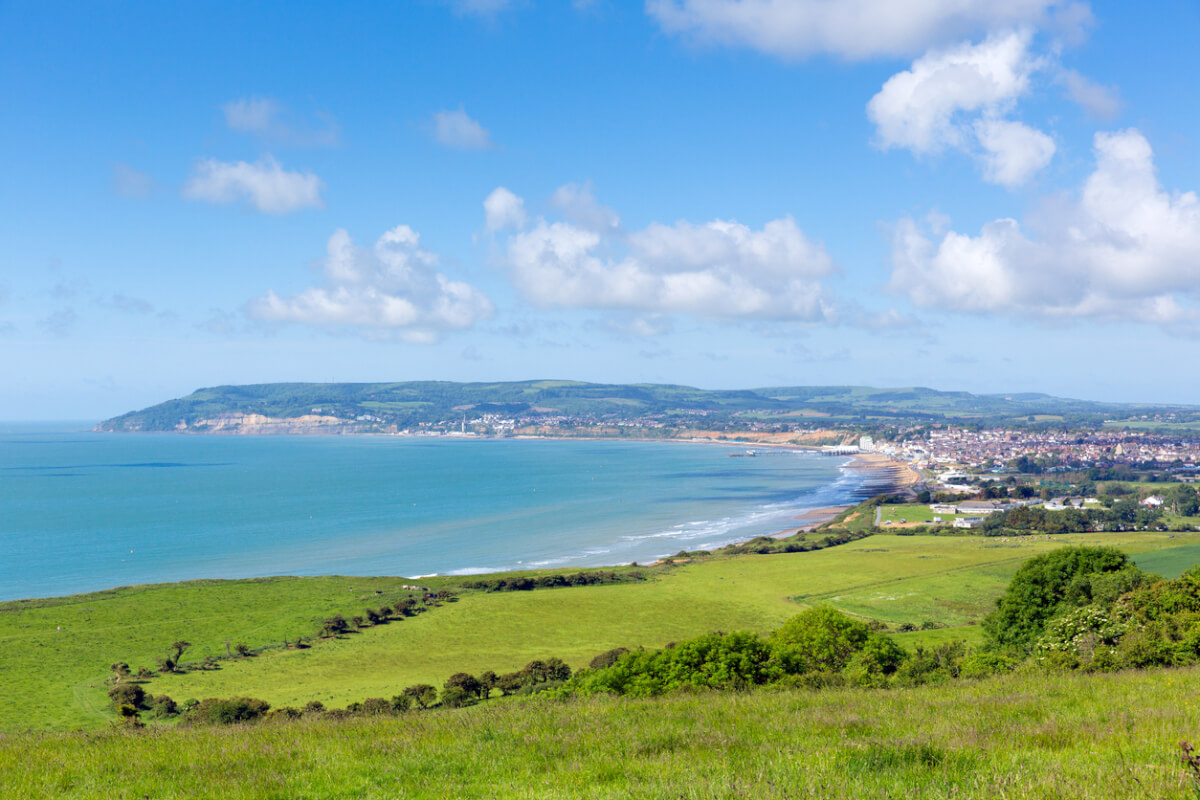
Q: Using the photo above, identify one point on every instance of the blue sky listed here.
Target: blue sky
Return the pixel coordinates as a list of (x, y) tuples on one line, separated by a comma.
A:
[(957, 194)]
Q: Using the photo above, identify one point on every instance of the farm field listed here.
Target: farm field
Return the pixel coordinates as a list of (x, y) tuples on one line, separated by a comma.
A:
[(1030, 734), (942, 581), (947, 581), (55, 653), (910, 513)]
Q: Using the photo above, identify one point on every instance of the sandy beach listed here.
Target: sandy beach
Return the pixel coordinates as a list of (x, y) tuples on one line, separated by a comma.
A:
[(902, 474)]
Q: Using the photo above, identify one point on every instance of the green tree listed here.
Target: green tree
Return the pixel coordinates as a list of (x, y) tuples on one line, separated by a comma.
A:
[(456, 697), (1184, 501), (1037, 592), (422, 694), (228, 711), (337, 624), (179, 647), (377, 706), (128, 694), (465, 681), (820, 638)]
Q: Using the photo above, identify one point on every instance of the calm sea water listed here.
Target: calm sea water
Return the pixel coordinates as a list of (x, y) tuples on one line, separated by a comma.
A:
[(82, 511)]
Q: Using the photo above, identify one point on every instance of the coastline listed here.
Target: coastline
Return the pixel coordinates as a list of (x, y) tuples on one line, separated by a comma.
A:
[(793, 502)]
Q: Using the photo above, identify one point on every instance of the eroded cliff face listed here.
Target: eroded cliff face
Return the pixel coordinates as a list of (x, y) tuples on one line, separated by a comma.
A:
[(257, 424)]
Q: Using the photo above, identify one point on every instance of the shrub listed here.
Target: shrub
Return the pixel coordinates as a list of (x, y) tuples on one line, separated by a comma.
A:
[(935, 664), (161, 706), (422, 694), (377, 706), (607, 658), (456, 697), (468, 683), (128, 694), (1038, 591), (820, 638), (510, 683), (982, 663), (286, 713), (215, 711), (718, 661)]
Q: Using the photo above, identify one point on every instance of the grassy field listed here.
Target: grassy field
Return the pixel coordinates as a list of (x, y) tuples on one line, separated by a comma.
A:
[(1170, 562), (913, 512), (949, 581), (1033, 735), (55, 654), (60, 675)]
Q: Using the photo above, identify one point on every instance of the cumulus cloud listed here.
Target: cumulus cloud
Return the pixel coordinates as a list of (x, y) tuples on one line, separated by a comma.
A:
[(1124, 248), (578, 205), (392, 287), (855, 29), (267, 119), (957, 98), (457, 130), (1012, 151), (265, 185), (502, 209), (720, 269)]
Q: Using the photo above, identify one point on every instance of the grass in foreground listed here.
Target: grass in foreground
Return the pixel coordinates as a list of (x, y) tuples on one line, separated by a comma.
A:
[(1021, 736)]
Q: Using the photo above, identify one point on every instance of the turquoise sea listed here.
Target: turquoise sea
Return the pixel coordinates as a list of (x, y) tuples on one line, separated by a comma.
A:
[(82, 511)]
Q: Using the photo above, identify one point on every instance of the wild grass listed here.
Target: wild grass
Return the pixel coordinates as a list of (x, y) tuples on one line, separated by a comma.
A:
[(947, 581), (1040, 735), (60, 676), (55, 653)]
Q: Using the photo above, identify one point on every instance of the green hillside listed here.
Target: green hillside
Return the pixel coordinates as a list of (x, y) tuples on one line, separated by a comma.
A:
[(60, 675), (378, 406)]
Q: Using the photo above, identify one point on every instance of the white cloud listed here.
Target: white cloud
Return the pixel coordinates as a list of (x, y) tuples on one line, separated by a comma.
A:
[(457, 130), (1103, 102), (957, 98), (1123, 249), (1012, 151), (720, 269), (265, 118), (264, 184), (393, 287), (579, 206), (503, 209), (855, 28)]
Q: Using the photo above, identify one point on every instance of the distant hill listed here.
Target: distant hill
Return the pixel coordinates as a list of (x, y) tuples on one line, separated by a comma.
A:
[(380, 407)]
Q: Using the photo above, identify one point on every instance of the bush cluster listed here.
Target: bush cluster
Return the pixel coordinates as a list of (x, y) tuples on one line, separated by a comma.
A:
[(525, 584), (796, 543), (819, 647)]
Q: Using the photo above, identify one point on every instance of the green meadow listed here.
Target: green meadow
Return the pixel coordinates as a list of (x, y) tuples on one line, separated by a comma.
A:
[(912, 512), (945, 583), (1021, 735)]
